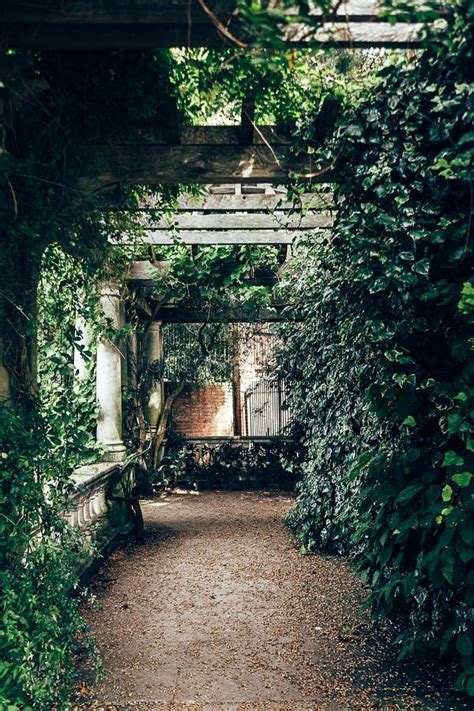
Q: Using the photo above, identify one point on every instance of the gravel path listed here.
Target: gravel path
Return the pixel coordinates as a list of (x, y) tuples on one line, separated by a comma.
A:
[(216, 611)]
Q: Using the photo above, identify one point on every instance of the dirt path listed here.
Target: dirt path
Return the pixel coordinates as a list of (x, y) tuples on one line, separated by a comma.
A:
[(217, 611)]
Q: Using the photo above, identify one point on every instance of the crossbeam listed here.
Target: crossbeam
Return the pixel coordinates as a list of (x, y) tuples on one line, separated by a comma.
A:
[(143, 273), (224, 204), (238, 222), (172, 314), (163, 237), (167, 12), (94, 24), (252, 203), (147, 36), (104, 165)]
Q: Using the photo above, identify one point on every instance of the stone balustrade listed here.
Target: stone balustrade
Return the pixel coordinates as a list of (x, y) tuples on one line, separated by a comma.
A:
[(89, 501), (99, 505)]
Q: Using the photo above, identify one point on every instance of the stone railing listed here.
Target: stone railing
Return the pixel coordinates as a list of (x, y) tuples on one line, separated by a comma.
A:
[(234, 463), (99, 505), (89, 501)]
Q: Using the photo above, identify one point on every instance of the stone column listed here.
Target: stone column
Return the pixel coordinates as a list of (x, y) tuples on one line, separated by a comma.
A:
[(109, 379), (84, 339), (154, 358)]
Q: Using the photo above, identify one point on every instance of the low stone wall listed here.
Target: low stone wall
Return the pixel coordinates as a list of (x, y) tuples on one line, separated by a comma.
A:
[(100, 508), (234, 463)]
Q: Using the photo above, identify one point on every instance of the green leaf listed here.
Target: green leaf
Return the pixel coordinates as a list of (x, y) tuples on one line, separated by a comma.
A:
[(456, 423), (464, 552), (409, 421), (447, 493), (408, 493), (464, 645), (462, 479), (422, 267), (451, 459), (447, 569), (466, 531), (470, 686)]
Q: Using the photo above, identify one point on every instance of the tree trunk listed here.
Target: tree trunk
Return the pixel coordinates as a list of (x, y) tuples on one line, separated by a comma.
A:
[(162, 423)]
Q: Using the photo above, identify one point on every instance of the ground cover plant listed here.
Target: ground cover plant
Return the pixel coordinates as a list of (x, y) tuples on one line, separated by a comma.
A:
[(381, 367)]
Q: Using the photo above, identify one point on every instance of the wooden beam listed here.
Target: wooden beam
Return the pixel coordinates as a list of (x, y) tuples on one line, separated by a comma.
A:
[(104, 165), (172, 314), (148, 36), (164, 12), (227, 203), (253, 203), (212, 135), (143, 273), (161, 237), (237, 222), (365, 35)]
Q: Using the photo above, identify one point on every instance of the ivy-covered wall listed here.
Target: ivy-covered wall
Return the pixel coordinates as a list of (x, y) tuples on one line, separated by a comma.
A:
[(381, 368)]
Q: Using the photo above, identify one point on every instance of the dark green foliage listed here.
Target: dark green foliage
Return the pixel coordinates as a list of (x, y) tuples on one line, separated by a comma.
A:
[(230, 465), (382, 369), (37, 572), (53, 248)]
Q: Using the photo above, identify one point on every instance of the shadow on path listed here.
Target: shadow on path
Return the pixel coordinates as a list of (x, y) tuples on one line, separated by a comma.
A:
[(217, 611)]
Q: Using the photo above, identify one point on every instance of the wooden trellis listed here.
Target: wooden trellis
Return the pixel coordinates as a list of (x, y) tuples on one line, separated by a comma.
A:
[(94, 24), (169, 153)]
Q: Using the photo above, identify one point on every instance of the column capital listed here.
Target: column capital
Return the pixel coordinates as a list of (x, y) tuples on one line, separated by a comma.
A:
[(110, 289), (110, 293)]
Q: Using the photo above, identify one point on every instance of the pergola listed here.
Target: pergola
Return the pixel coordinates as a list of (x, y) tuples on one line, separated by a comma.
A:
[(170, 153), (237, 158)]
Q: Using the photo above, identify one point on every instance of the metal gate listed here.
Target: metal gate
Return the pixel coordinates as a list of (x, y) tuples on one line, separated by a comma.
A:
[(266, 413)]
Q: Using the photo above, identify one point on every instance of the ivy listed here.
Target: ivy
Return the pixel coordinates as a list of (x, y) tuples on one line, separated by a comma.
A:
[(381, 367)]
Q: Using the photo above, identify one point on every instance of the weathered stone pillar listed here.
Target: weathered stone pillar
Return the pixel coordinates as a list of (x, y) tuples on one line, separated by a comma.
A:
[(154, 361), (109, 379), (83, 342)]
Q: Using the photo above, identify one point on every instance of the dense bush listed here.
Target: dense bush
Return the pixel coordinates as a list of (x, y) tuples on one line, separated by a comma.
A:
[(230, 465), (381, 368), (37, 567)]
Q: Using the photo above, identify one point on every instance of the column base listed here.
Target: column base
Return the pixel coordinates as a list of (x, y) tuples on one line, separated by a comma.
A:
[(116, 451)]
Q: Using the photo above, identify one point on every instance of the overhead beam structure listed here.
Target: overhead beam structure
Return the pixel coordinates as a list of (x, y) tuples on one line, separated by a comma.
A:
[(95, 24), (172, 314), (276, 228), (227, 202), (242, 222), (206, 155), (201, 238)]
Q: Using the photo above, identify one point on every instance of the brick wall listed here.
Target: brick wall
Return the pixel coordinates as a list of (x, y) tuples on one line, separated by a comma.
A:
[(207, 412)]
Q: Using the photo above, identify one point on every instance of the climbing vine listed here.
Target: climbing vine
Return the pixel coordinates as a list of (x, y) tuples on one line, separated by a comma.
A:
[(381, 367), (54, 249), (379, 371)]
